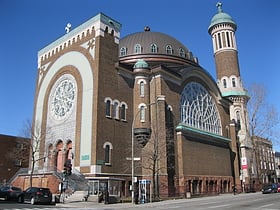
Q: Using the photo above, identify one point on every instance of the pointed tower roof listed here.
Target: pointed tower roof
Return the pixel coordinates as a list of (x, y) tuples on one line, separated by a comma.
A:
[(221, 17)]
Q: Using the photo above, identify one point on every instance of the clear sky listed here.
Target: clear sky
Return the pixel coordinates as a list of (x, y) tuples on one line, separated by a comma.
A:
[(26, 26)]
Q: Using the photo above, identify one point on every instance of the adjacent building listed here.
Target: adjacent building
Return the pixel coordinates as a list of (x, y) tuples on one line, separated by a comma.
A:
[(14, 152), (266, 161)]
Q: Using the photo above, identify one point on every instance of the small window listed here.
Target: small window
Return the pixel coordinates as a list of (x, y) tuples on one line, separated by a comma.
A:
[(219, 41), (123, 51), (228, 39), (108, 108), (169, 50), (154, 48), (123, 112), (116, 110), (169, 115), (17, 162), (142, 113), (142, 89), (233, 82), (137, 49), (108, 153), (182, 53), (225, 83), (238, 117)]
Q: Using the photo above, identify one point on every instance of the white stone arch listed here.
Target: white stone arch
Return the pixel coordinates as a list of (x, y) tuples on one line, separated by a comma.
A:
[(81, 62)]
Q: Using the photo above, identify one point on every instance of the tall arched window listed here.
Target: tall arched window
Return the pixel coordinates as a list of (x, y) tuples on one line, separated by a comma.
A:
[(142, 113), (169, 50), (123, 51), (182, 53), (123, 112), (154, 48), (233, 82), (198, 109), (137, 49), (238, 118), (225, 83), (107, 153), (116, 110), (142, 88), (108, 102)]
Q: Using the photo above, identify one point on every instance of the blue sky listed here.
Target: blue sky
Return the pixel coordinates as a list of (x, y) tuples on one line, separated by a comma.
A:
[(29, 25)]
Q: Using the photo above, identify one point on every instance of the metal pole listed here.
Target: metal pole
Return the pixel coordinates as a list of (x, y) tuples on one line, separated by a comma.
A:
[(132, 160), (132, 151)]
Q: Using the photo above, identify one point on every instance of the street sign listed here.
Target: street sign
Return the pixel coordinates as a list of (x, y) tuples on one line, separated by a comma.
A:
[(136, 158)]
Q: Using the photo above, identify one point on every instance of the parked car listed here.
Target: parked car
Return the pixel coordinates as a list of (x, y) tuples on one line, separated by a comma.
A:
[(278, 187), (9, 192), (35, 195), (270, 188)]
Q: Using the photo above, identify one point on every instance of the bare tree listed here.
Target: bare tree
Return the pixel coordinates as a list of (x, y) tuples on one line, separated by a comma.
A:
[(157, 155), (35, 134), (263, 117)]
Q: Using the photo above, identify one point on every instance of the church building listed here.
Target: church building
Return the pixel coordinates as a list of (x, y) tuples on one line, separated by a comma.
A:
[(123, 111)]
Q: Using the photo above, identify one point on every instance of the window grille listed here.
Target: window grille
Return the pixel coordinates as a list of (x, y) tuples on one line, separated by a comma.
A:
[(198, 109)]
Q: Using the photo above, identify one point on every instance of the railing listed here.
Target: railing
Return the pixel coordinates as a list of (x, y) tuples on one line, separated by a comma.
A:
[(76, 181), (20, 171)]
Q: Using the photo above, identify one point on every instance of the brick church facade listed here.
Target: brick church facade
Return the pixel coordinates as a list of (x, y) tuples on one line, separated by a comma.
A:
[(140, 106)]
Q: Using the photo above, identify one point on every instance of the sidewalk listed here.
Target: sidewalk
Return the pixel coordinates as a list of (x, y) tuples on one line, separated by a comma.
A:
[(95, 205), (91, 204)]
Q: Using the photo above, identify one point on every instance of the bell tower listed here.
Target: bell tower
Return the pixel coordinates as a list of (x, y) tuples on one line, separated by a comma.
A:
[(222, 30)]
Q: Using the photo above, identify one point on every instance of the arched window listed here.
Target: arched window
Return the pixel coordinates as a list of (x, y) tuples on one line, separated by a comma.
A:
[(142, 113), (219, 41), (107, 153), (169, 50), (198, 109), (123, 111), (154, 48), (169, 115), (233, 82), (108, 102), (123, 51), (225, 83), (116, 110), (137, 49), (142, 88), (238, 118), (182, 53)]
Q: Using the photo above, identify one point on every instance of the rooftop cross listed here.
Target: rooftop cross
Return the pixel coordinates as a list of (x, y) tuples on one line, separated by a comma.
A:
[(219, 5)]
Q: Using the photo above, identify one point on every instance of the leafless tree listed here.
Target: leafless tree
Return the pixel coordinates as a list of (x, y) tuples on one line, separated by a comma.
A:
[(156, 156), (263, 117), (35, 134)]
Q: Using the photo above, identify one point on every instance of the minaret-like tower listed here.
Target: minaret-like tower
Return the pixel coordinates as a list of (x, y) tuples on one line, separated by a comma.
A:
[(222, 30)]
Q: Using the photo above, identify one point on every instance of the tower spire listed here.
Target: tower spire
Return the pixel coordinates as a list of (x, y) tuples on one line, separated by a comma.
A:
[(219, 6)]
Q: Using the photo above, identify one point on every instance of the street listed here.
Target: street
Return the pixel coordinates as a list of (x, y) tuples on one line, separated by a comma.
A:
[(248, 201)]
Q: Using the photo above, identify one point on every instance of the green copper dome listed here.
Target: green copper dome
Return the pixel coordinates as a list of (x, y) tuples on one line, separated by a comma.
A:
[(221, 17), (141, 64)]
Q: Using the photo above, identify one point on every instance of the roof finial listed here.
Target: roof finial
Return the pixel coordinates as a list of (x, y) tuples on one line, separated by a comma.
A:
[(219, 5), (147, 28)]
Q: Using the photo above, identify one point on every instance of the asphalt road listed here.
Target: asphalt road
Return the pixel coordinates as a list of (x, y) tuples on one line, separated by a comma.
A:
[(250, 201)]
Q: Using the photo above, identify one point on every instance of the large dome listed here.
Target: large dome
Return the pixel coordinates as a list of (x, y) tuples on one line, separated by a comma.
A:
[(153, 43)]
